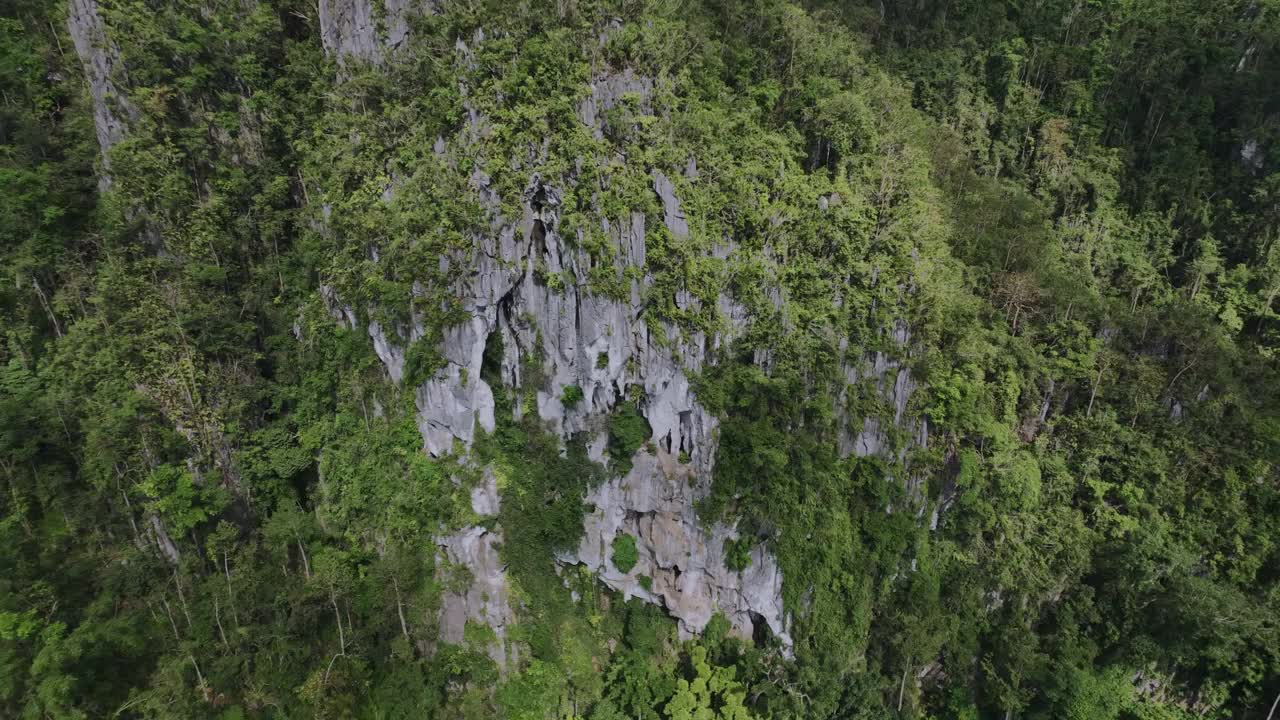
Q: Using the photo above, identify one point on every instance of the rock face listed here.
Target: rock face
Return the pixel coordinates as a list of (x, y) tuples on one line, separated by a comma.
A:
[(475, 585), (112, 110), (526, 285), (607, 92), (1251, 154), (894, 385), (684, 562), (604, 346), (456, 399), (356, 29), (390, 354)]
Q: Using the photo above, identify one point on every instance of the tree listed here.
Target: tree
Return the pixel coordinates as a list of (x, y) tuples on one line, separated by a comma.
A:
[(711, 694)]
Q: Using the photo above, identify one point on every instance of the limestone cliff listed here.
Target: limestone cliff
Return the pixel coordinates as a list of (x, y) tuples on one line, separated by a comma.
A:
[(480, 595), (366, 29), (528, 285), (112, 109), (681, 564)]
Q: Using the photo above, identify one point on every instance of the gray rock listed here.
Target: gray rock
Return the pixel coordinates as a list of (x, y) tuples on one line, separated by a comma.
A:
[(1251, 154), (672, 215), (683, 560), (607, 92), (390, 354), (471, 570), (449, 409), (353, 29), (485, 501), (522, 281), (112, 110), (867, 436), (344, 315), (603, 345), (475, 590)]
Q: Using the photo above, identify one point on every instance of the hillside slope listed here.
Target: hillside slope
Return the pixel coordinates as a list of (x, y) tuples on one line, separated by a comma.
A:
[(608, 359)]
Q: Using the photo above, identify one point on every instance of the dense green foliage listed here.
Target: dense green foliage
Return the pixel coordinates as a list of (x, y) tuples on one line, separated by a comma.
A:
[(1072, 205), (624, 553)]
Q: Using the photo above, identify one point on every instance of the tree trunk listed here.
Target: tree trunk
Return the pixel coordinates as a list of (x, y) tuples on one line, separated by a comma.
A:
[(902, 686), (342, 638), (44, 301), (178, 583), (404, 627), (306, 566), (1094, 393), (231, 596), (169, 611), (199, 676), (217, 617)]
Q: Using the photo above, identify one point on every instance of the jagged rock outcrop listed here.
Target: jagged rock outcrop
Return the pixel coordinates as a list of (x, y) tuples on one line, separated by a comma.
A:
[(887, 376), (451, 404), (1251, 155), (475, 586), (607, 92), (112, 110), (357, 29), (680, 565), (604, 345), (894, 385), (524, 283)]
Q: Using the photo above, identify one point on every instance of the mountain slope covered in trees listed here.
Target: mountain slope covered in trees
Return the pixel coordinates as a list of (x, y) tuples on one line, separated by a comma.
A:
[(640, 359)]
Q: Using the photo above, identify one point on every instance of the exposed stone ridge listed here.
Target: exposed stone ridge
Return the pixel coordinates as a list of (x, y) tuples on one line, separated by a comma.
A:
[(353, 28), (895, 385), (607, 92), (871, 436), (524, 283), (112, 110), (683, 561), (605, 346), (478, 594)]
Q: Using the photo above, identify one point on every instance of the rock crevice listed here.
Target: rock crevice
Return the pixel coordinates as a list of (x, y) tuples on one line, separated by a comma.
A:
[(681, 565)]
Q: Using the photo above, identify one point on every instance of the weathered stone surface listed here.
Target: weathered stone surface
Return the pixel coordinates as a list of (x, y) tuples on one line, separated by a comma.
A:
[(391, 355), (112, 110), (895, 385), (355, 29), (607, 92), (472, 572), (482, 596), (1251, 154), (684, 561), (673, 216), (524, 282), (344, 315), (455, 400), (604, 346)]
